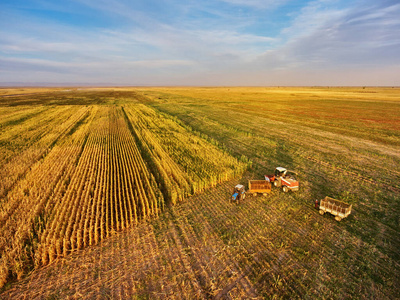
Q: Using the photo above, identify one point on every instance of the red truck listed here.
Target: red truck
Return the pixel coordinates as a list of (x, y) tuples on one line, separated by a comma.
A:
[(285, 179)]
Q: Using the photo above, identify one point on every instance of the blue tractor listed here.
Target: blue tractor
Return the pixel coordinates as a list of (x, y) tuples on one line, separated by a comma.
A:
[(239, 193)]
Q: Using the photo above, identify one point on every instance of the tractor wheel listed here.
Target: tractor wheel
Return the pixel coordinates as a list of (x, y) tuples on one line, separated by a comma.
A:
[(285, 189), (337, 218), (321, 212), (276, 183), (244, 196)]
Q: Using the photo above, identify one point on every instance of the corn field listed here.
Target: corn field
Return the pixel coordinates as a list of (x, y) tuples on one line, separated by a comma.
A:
[(74, 175), (120, 193)]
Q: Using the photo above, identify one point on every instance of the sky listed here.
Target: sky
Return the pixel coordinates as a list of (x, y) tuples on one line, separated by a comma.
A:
[(200, 43)]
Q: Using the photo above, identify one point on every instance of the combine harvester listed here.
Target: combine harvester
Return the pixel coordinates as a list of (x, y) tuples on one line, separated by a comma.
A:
[(285, 179), (282, 178)]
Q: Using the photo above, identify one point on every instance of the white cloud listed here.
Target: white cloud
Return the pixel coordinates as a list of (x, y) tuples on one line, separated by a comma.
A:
[(321, 38), (353, 37), (260, 4)]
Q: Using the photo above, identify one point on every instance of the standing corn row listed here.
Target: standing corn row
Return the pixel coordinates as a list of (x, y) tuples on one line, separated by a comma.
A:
[(109, 190), (182, 162), (96, 180)]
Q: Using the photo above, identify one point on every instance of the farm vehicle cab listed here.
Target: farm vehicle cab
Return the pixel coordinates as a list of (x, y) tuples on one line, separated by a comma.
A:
[(285, 179), (239, 193)]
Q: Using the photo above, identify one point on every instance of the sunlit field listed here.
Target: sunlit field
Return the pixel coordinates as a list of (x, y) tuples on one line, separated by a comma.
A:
[(125, 193)]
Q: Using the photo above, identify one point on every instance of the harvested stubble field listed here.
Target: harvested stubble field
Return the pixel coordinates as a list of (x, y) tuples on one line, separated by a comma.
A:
[(124, 193)]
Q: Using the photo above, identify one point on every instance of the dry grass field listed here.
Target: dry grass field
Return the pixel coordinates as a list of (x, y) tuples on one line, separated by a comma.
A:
[(124, 193)]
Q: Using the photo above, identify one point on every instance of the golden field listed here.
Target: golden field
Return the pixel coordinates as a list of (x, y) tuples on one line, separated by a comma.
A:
[(124, 192)]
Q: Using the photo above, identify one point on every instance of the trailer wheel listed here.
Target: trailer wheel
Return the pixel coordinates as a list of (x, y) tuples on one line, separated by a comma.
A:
[(321, 212), (337, 218), (285, 189), (265, 194), (254, 194)]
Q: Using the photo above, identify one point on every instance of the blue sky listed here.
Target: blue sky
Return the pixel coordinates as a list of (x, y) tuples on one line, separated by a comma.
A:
[(210, 42)]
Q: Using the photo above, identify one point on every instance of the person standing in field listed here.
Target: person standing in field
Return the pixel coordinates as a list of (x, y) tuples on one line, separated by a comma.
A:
[(316, 204)]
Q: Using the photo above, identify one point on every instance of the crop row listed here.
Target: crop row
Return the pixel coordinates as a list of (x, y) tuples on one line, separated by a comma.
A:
[(23, 145), (111, 189), (184, 163), (27, 203), (107, 168)]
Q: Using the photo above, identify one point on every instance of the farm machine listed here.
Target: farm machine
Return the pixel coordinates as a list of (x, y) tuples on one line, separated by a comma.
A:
[(281, 178), (239, 193), (285, 179), (255, 187)]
